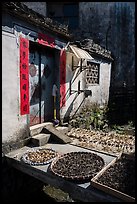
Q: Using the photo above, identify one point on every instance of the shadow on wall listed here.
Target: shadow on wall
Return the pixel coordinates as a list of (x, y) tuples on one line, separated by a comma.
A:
[(67, 116)]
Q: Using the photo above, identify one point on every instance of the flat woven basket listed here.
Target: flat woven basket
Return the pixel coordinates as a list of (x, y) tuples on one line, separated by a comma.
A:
[(39, 156), (77, 165)]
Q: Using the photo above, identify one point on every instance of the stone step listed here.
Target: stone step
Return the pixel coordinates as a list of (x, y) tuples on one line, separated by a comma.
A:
[(56, 134), (62, 129), (36, 129), (40, 139)]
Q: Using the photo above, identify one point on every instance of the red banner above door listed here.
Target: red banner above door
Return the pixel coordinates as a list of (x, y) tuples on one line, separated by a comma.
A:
[(46, 40)]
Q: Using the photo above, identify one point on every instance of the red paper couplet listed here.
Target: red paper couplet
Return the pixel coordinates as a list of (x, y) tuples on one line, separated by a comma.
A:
[(62, 78), (24, 76)]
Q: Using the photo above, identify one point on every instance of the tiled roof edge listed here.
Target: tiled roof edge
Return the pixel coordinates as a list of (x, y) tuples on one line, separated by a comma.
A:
[(23, 11)]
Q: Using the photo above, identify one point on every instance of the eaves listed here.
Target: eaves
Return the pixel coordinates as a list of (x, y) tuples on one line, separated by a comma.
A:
[(100, 55), (47, 24)]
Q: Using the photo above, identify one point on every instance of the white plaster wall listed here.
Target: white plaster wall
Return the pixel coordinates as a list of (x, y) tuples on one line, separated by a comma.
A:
[(100, 93), (12, 122), (74, 100)]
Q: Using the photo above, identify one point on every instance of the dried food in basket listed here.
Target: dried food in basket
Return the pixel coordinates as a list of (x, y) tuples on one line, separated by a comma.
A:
[(39, 156), (77, 165), (120, 176)]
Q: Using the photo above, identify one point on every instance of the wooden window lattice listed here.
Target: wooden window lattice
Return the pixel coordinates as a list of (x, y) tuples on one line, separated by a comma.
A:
[(92, 74)]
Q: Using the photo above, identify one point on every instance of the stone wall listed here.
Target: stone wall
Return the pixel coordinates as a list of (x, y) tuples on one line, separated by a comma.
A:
[(39, 7), (112, 25), (122, 105)]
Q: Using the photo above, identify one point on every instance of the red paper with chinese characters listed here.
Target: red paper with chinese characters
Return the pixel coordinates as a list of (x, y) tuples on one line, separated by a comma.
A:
[(62, 78), (24, 76)]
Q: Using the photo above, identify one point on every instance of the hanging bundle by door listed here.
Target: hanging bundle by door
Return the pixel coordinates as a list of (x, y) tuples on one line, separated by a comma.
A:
[(54, 94)]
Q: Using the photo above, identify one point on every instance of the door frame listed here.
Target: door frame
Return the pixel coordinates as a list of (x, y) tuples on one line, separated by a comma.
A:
[(39, 48)]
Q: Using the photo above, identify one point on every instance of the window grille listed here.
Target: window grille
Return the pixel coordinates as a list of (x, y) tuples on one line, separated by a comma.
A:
[(92, 73)]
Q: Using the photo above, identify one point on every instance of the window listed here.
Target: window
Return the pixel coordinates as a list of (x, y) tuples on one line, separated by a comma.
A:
[(92, 73), (66, 13)]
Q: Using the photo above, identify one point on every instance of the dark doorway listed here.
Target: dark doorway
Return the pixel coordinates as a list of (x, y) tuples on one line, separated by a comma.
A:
[(43, 68)]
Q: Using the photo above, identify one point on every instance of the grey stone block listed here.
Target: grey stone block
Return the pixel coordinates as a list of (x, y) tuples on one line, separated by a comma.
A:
[(56, 134), (62, 129), (40, 139), (36, 129)]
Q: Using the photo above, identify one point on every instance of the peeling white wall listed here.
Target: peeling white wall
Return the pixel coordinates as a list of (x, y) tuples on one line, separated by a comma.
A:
[(12, 122), (100, 92)]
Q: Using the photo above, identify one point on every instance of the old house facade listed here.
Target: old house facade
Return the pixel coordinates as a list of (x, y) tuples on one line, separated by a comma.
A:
[(31, 52), (87, 77), (43, 54), (105, 23), (111, 25), (36, 54), (108, 24)]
